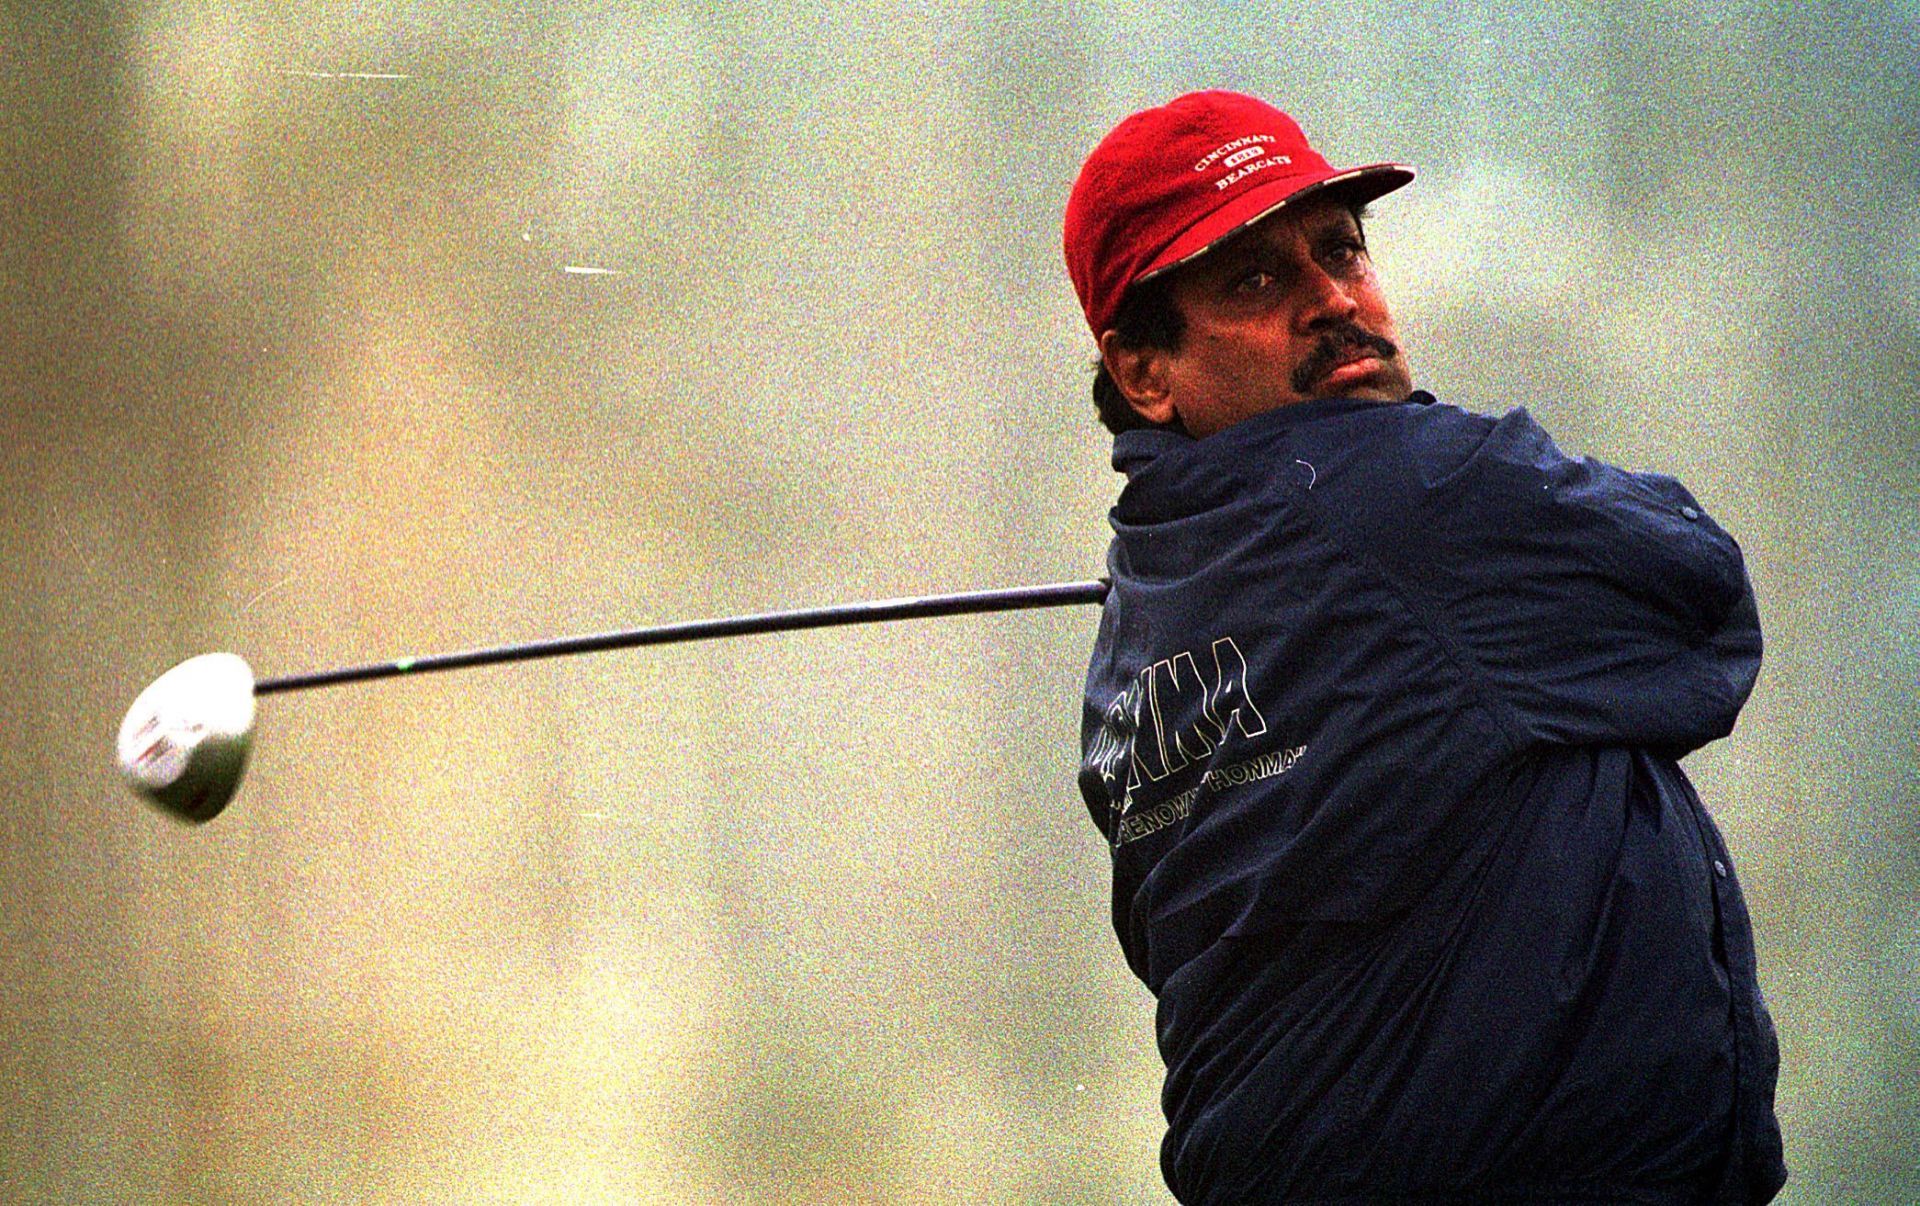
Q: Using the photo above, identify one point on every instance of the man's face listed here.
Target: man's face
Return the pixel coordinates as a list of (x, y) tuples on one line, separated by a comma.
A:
[(1286, 311)]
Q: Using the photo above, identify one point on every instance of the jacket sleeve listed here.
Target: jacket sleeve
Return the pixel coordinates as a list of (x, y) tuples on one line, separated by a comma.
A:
[(1595, 605)]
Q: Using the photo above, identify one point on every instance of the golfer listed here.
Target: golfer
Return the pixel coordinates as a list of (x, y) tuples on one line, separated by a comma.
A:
[(1383, 724)]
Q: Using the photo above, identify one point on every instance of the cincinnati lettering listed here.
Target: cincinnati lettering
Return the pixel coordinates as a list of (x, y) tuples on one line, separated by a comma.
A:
[(1229, 148)]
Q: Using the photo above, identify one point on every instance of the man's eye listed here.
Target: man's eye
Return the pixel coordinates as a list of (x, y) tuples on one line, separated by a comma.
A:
[(1254, 282)]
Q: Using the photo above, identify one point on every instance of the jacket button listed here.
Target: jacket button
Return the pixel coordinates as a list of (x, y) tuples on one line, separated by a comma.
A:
[(1719, 868), (1690, 512)]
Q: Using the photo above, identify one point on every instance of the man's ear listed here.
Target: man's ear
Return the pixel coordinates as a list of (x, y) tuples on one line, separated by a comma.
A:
[(1141, 375)]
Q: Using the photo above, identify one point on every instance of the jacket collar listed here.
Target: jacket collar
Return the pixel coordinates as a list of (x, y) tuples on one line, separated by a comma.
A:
[(1134, 451)]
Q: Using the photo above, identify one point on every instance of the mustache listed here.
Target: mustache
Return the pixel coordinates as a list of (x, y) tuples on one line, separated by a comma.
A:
[(1333, 347)]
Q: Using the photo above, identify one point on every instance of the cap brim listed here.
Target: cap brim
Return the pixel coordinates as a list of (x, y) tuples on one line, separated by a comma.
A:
[(1359, 185)]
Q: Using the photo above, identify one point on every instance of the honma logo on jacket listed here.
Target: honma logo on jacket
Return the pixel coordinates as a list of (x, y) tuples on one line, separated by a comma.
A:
[(1171, 716)]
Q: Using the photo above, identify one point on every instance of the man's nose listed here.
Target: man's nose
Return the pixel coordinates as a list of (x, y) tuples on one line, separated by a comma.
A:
[(1326, 301)]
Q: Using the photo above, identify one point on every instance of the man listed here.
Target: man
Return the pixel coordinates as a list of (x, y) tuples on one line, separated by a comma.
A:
[(1382, 727)]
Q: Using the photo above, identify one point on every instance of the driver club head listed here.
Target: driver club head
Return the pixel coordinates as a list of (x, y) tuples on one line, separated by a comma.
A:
[(183, 744)]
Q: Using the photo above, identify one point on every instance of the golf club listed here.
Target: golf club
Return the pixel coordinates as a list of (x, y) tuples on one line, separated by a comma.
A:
[(184, 743)]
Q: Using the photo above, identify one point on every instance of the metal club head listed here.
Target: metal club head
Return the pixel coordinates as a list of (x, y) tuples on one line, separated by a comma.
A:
[(184, 742)]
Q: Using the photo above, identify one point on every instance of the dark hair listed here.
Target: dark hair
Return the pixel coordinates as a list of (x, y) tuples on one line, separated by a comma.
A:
[(1148, 318)]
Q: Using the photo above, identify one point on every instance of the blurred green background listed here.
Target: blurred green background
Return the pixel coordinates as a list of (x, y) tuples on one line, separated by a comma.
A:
[(297, 359)]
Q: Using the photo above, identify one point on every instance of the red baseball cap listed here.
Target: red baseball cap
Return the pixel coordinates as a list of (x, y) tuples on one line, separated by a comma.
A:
[(1168, 183)]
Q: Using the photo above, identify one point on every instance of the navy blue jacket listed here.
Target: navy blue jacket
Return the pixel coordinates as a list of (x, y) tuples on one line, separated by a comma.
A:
[(1382, 726)]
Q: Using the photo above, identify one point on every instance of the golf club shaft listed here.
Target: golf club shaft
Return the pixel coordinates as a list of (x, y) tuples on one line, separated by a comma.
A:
[(1059, 594)]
